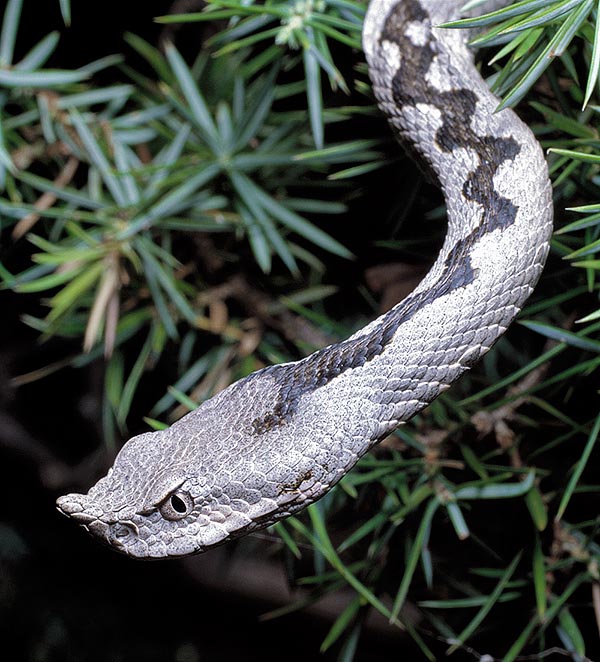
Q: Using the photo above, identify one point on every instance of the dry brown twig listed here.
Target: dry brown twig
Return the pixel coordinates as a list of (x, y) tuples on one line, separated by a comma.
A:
[(47, 199)]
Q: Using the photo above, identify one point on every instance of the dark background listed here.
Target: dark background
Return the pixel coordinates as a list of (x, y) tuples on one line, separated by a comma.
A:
[(63, 597)]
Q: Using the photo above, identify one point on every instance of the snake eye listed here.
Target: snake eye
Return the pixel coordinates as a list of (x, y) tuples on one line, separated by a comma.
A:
[(177, 506)]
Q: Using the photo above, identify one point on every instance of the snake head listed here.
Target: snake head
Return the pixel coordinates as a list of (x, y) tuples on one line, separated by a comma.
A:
[(154, 503), (234, 465), (190, 487)]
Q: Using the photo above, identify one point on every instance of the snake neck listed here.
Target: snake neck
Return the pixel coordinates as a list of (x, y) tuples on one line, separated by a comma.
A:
[(494, 179)]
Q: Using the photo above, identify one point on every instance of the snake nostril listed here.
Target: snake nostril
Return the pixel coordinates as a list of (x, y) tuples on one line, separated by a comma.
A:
[(122, 534)]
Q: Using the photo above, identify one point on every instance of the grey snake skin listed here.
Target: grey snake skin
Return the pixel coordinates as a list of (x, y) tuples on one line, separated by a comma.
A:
[(279, 439)]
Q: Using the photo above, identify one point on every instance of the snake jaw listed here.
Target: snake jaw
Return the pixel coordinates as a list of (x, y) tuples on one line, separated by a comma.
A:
[(139, 531), (86, 512), (79, 507)]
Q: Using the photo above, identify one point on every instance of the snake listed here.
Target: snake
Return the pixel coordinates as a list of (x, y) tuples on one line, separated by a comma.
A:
[(277, 440)]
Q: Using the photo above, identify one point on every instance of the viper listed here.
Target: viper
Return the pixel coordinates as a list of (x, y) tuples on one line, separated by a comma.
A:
[(279, 439)]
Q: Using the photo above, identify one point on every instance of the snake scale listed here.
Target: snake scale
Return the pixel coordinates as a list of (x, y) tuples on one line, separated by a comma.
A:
[(279, 439)]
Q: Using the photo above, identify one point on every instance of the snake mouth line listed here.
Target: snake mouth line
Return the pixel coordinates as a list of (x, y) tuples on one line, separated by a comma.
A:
[(114, 534), (71, 505)]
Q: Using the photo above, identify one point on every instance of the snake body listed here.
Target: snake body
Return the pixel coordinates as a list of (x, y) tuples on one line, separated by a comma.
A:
[(279, 439)]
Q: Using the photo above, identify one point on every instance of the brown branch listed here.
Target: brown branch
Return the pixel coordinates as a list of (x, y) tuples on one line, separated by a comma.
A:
[(496, 421), (47, 199), (275, 316)]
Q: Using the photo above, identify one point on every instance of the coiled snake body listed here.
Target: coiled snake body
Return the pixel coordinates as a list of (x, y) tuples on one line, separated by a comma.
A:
[(279, 439)]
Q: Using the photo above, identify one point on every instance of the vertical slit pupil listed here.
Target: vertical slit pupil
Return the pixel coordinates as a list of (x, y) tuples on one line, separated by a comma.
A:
[(178, 504)]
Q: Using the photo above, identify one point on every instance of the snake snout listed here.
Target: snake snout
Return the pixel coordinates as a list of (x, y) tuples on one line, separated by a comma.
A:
[(76, 506), (70, 504)]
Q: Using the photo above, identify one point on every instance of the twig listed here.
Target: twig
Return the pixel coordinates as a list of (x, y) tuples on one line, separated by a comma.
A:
[(293, 327), (495, 421), (47, 199)]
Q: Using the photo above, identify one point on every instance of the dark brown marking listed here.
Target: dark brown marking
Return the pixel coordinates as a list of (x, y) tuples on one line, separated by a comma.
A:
[(295, 486), (457, 108)]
